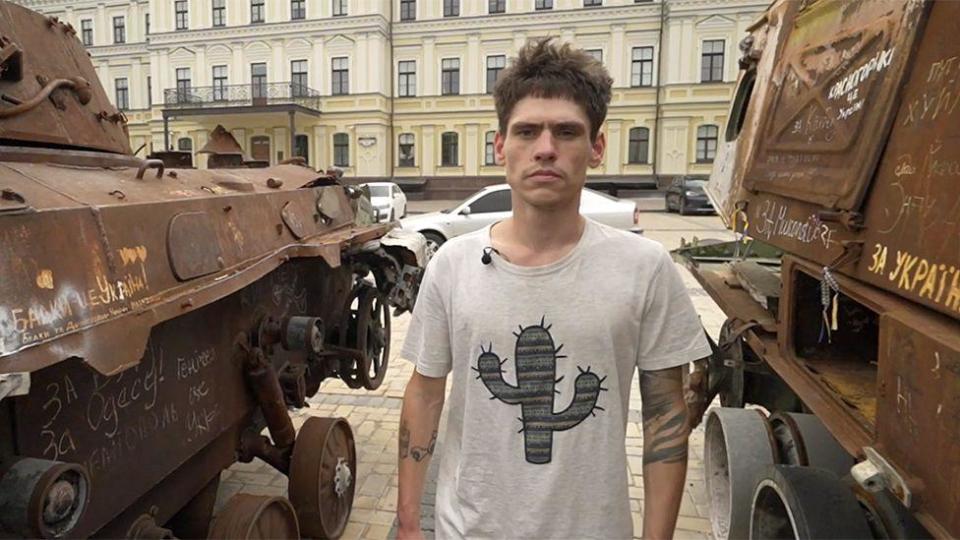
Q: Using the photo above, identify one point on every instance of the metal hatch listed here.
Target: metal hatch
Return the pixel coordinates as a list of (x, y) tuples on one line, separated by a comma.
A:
[(832, 100)]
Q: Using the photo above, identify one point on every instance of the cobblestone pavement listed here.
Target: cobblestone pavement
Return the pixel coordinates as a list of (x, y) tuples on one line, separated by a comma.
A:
[(374, 417)]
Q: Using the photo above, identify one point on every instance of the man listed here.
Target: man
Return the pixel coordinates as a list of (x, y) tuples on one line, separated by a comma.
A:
[(540, 322)]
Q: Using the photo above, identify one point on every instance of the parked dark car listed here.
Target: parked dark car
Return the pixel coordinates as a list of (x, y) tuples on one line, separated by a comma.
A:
[(686, 195)]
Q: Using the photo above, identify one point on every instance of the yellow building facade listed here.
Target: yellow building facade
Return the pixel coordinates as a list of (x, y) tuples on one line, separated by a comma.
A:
[(400, 88)]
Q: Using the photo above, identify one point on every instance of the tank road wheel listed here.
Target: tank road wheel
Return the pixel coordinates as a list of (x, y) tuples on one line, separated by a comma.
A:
[(805, 502), (802, 439), (323, 470), (365, 330), (373, 337), (249, 517), (738, 448)]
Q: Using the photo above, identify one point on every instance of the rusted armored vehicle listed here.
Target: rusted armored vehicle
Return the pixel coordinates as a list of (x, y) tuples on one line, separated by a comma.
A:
[(840, 174), (155, 322)]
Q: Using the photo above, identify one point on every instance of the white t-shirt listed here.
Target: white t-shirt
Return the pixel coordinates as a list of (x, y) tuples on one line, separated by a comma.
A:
[(545, 457)]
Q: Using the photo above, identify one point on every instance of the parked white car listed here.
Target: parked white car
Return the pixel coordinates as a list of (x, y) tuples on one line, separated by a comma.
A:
[(492, 204), (388, 200)]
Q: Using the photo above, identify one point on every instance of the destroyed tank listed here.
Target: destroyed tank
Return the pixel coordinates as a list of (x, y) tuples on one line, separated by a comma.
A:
[(156, 322), (840, 174)]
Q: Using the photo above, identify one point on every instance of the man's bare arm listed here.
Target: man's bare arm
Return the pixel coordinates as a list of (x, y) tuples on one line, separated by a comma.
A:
[(665, 435), (419, 423)]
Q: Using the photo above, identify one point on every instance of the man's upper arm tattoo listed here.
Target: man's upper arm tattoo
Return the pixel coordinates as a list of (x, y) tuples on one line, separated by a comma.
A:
[(665, 429)]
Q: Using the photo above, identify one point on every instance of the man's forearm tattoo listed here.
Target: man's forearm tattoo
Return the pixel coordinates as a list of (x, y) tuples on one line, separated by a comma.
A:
[(665, 429), (418, 453)]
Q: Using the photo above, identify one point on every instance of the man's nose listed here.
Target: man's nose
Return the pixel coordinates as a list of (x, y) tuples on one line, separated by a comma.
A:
[(545, 148)]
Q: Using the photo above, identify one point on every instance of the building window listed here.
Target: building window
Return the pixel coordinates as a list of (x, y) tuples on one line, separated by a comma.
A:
[(405, 156), (592, 3), (641, 70), (219, 12), (489, 156), (451, 8), (543, 4), (341, 150), (183, 85), (86, 32), (219, 83), (339, 8), (449, 151), (596, 53), (341, 76), (495, 65), (185, 144), (149, 91), (408, 10), (450, 76), (119, 30), (301, 147), (146, 23), (496, 6), (256, 11), (706, 143), (122, 93), (711, 61), (407, 71), (258, 80), (298, 10), (298, 78), (182, 15), (639, 145)]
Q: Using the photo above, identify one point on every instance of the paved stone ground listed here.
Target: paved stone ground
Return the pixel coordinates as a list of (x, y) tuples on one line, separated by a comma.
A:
[(375, 417)]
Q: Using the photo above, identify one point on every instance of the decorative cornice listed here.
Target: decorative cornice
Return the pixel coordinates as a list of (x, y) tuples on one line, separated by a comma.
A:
[(304, 29), (598, 15)]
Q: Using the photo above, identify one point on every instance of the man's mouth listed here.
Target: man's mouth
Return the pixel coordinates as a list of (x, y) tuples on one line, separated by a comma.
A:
[(543, 173)]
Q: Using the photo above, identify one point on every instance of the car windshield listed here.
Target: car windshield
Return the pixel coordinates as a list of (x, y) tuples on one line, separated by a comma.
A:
[(379, 191)]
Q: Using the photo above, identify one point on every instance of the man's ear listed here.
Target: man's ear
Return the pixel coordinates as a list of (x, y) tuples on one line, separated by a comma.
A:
[(498, 141), (597, 148)]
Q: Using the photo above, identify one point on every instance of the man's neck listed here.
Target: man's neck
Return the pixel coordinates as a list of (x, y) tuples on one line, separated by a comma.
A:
[(535, 237)]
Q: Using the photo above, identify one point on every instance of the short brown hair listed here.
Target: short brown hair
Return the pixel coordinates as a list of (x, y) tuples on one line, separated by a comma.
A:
[(546, 70)]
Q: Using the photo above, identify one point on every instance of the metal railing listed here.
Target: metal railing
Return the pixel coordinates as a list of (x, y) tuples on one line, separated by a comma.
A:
[(241, 95)]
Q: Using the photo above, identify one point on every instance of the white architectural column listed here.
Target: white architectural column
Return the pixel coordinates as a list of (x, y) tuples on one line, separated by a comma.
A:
[(614, 159), (156, 81), (134, 23), (429, 80), (359, 83), (475, 66), (321, 148), (279, 67), (137, 85), (519, 40), (102, 31), (428, 161), (199, 141), (240, 134), (621, 76), (473, 149), (317, 68), (237, 64), (163, 82), (281, 143), (201, 74)]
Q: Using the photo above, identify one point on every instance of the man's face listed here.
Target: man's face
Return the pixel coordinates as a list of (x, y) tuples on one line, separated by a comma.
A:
[(546, 151)]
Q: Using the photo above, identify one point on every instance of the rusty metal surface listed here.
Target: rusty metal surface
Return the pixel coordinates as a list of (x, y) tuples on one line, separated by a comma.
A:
[(133, 291), (51, 51), (918, 424), (835, 85), (912, 240), (221, 142)]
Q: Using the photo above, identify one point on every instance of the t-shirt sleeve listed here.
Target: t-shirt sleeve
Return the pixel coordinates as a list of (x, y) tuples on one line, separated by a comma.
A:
[(427, 344), (670, 330)]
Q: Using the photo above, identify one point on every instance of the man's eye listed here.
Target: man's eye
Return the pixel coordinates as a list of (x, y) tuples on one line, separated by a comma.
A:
[(525, 132)]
